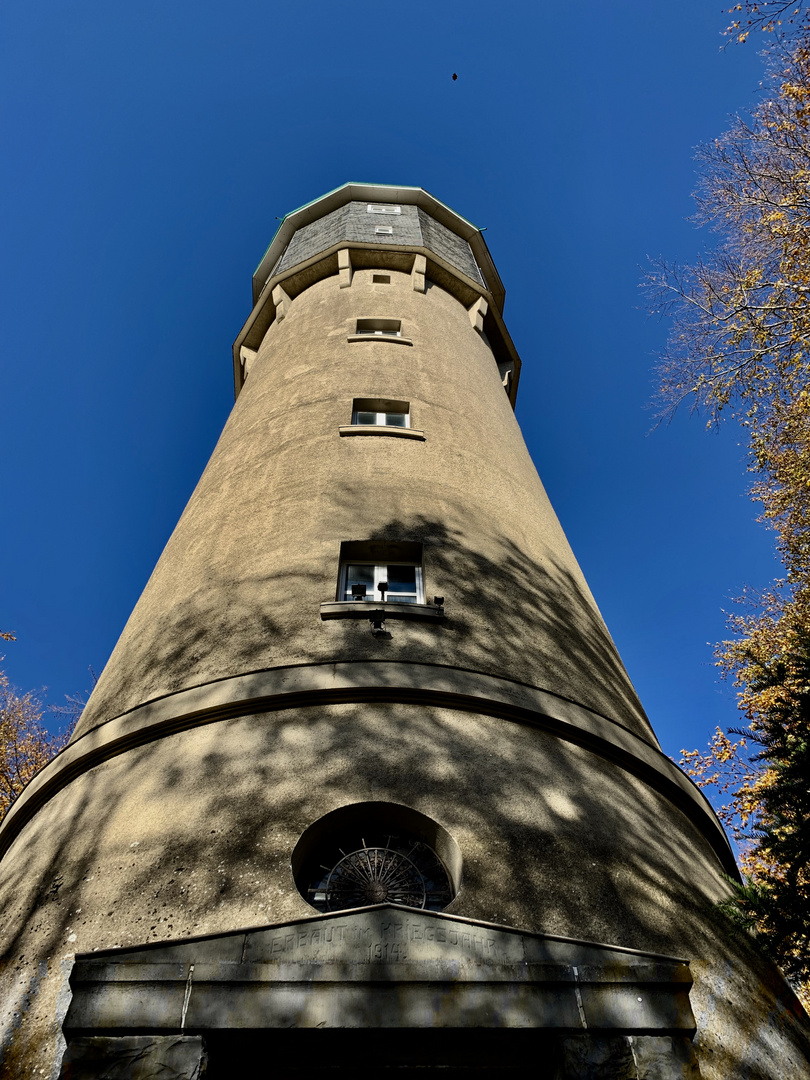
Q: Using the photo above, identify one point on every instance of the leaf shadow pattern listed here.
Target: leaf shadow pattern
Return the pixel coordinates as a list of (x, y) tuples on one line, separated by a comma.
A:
[(192, 833), (524, 615)]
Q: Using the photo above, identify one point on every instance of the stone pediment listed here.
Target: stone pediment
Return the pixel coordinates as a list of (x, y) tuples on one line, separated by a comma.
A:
[(379, 967)]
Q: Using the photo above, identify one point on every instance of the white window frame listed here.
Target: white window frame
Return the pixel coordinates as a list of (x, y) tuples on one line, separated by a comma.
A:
[(381, 418), (380, 574), (378, 208), (366, 328)]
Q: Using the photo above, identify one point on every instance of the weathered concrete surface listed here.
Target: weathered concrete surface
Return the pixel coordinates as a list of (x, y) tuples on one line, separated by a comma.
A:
[(135, 1057), (240, 583), (387, 967), (321, 685), (664, 1058), (193, 833), (630, 1058)]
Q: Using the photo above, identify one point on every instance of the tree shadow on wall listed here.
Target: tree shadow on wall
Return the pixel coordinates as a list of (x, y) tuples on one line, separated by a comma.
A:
[(509, 615), (523, 616), (192, 834)]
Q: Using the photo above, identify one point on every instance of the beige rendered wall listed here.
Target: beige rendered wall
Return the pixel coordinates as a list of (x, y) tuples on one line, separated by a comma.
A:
[(192, 834), (240, 582)]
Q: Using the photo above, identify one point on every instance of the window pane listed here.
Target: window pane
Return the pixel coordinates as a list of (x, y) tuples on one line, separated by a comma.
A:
[(365, 418), (402, 584), (359, 575), (379, 326), (404, 576), (396, 419)]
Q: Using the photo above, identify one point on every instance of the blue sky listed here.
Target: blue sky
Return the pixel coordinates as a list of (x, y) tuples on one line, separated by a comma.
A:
[(150, 148)]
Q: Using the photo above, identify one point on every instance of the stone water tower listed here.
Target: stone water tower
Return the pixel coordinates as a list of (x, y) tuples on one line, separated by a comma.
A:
[(364, 785)]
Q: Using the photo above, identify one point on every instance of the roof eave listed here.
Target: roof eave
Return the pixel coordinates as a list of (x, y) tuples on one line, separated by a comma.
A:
[(390, 193)]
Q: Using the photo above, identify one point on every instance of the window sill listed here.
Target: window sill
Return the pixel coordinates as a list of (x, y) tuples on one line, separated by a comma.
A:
[(392, 339), (367, 609), (381, 429)]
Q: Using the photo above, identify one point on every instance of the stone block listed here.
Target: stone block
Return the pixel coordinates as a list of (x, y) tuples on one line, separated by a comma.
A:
[(588, 1057), (664, 1058), (135, 1057)]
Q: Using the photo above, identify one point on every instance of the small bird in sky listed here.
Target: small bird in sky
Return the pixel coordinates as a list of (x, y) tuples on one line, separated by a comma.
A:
[(454, 76)]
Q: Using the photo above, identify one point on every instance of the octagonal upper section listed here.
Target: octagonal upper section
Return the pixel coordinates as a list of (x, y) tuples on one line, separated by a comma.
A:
[(416, 218), (390, 224)]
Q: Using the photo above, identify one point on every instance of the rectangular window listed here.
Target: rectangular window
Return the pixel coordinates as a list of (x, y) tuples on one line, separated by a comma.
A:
[(381, 327), (381, 279), (384, 230), (396, 582), (378, 208), (372, 572), (379, 412)]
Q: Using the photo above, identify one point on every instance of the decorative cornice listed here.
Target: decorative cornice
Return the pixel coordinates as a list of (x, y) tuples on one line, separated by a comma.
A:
[(370, 681), (379, 967)]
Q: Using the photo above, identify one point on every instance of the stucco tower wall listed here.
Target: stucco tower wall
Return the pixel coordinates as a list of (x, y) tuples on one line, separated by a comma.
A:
[(240, 583), (243, 705), (192, 834)]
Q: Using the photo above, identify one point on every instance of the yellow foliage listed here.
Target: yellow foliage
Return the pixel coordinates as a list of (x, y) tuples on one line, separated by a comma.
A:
[(741, 345), (25, 745)]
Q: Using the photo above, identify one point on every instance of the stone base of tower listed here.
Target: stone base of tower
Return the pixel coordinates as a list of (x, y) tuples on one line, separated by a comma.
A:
[(456, 1056), (389, 987), (555, 837)]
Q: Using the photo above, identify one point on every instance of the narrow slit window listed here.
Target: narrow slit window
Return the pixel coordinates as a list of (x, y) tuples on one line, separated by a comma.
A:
[(384, 230), (378, 208), (380, 327), (381, 279)]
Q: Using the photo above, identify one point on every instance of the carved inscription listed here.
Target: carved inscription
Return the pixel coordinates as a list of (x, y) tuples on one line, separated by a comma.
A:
[(408, 930), (387, 951), (333, 933), (391, 941)]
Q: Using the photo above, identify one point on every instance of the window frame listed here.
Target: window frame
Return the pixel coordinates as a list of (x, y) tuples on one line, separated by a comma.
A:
[(367, 407), (382, 554), (381, 573), (384, 410), (383, 328)]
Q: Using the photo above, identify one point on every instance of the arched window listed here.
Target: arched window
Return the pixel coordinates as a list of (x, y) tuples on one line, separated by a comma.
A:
[(376, 853)]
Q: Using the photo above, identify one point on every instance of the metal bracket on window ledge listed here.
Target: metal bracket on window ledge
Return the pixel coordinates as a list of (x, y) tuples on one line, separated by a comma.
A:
[(380, 611)]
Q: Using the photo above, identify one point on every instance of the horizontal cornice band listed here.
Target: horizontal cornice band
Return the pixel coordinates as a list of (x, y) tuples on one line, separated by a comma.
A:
[(265, 296), (309, 685)]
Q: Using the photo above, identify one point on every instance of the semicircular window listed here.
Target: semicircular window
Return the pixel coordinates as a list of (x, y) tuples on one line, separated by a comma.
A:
[(358, 864)]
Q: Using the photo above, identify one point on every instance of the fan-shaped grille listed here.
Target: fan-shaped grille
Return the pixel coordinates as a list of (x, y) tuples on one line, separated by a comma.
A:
[(393, 872)]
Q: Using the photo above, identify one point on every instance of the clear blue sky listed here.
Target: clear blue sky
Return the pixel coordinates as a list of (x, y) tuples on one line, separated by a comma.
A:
[(148, 149)]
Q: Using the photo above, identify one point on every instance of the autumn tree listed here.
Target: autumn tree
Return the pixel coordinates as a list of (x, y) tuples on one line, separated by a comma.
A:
[(25, 744), (740, 347), (768, 16)]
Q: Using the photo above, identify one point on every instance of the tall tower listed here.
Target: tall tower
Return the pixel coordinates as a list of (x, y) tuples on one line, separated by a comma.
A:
[(365, 784)]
